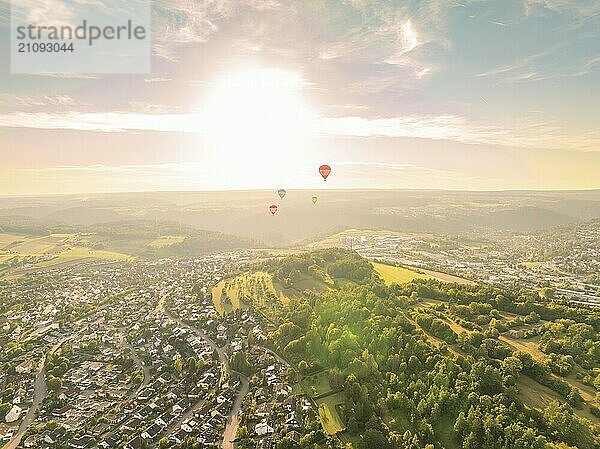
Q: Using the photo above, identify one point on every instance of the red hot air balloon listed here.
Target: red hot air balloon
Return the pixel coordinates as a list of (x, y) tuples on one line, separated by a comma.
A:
[(273, 208), (324, 170)]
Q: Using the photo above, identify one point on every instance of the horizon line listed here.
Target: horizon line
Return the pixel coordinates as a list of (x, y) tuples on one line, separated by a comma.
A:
[(372, 189)]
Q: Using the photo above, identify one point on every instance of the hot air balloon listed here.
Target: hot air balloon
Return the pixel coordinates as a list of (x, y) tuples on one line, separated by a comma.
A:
[(281, 193), (314, 199), (324, 170), (273, 209)]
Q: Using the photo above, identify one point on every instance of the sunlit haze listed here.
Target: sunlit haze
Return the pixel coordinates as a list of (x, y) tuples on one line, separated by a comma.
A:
[(250, 95)]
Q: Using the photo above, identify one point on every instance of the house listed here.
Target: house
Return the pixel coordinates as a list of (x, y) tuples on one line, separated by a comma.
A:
[(131, 425), (6, 432), (178, 437), (80, 443), (32, 441), (263, 428), (264, 409), (294, 436), (143, 413), (111, 441), (54, 436), (14, 414), (151, 432), (168, 418), (24, 367), (62, 411), (136, 443)]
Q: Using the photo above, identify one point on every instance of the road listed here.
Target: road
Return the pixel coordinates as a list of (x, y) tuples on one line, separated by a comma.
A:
[(233, 420), (138, 362), (160, 309), (39, 393), (179, 421), (233, 417)]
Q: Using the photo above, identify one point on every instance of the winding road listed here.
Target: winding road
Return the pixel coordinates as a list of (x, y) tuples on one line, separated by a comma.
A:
[(233, 420), (39, 393), (233, 417)]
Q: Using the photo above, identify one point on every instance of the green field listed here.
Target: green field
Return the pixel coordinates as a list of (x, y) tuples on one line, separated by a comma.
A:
[(7, 239), (36, 246), (247, 287), (328, 414), (5, 257), (166, 240), (397, 275), (75, 254), (316, 385)]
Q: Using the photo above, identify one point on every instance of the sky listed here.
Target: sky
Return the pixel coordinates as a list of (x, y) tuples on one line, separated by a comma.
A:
[(256, 94)]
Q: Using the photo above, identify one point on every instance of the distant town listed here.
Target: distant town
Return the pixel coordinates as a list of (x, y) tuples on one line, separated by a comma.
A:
[(563, 265)]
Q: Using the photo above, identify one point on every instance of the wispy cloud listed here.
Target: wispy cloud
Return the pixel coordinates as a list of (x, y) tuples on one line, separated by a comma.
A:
[(67, 75), (183, 22), (441, 127), (32, 101), (585, 8), (157, 80)]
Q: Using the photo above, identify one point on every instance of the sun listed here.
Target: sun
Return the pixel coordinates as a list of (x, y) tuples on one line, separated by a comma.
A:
[(256, 123)]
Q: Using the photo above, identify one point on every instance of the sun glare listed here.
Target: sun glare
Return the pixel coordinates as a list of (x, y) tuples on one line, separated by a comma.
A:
[(255, 120)]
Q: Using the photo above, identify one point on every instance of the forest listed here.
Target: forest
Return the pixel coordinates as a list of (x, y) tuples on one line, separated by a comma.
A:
[(428, 364)]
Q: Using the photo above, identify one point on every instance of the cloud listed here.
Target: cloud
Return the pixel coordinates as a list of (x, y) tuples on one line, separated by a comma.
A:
[(157, 80), (561, 41), (103, 178), (461, 129), (549, 64), (183, 22), (394, 176), (45, 12), (67, 75), (31, 101), (579, 8), (435, 127)]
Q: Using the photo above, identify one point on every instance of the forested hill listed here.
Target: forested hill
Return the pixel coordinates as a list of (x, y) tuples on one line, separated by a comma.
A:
[(135, 237), (437, 365)]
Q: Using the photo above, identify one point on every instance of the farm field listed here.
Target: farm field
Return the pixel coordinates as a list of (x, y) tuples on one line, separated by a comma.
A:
[(317, 387), (536, 395), (398, 275), (232, 294), (445, 277), (166, 240), (36, 246), (328, 413), (7, 239), (391, 274), (78, 253), (529, 346)]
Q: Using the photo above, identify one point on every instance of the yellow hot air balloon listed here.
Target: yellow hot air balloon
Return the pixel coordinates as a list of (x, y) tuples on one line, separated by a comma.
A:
[(314, 199)]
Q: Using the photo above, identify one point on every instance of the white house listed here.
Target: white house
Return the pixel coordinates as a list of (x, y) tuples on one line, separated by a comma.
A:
[(13, 414)]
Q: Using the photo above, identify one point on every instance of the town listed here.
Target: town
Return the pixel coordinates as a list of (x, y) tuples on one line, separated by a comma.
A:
[(135, 356), (562, 263)]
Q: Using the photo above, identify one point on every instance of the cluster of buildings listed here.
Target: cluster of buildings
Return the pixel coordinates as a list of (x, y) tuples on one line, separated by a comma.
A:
[(563, 261)]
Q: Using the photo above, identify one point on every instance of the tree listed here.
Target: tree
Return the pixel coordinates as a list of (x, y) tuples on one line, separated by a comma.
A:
[(547, 293), (178, 366), (54, 383)]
